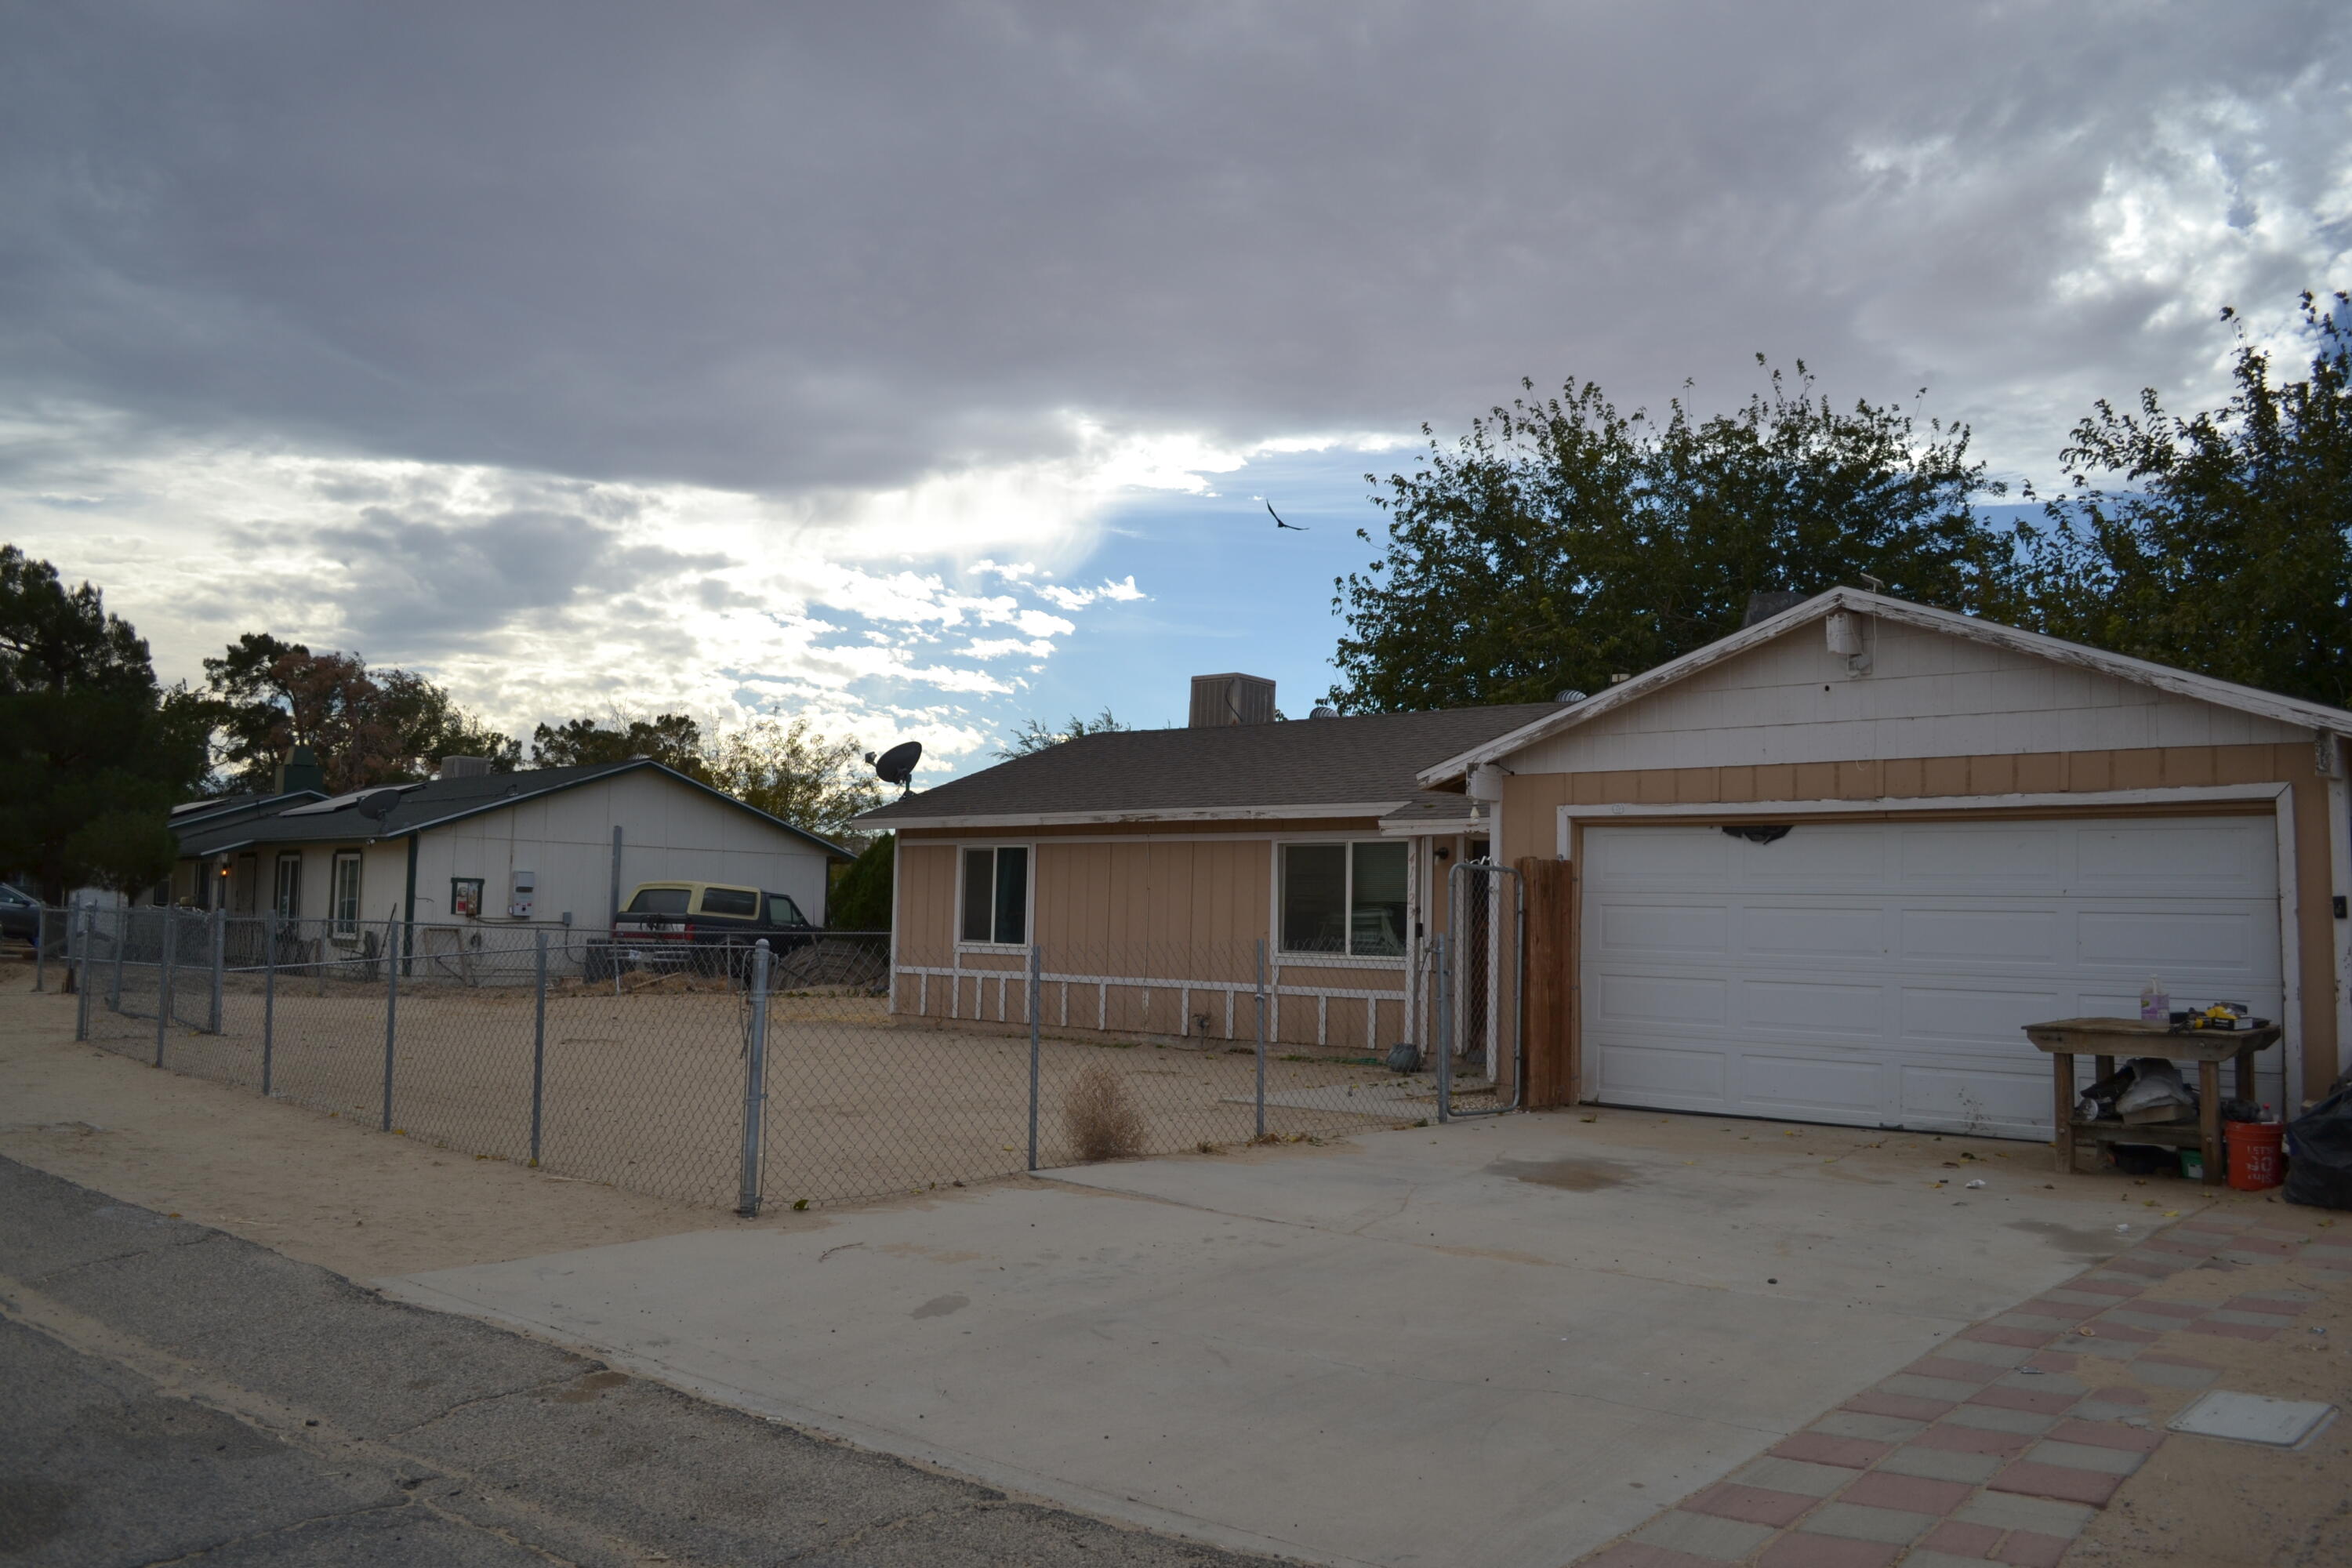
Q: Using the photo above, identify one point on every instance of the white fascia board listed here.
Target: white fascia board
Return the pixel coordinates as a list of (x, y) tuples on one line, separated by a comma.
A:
[(1088, 819), (2179, 682)]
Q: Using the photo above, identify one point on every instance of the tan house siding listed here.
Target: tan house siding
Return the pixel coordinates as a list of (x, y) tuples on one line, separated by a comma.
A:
[(1115, 906), (1532, 802)]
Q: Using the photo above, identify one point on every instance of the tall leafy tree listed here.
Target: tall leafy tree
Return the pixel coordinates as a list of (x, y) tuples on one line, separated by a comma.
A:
[(861, 894), (94, 755), (793, 771), (2225, 543), (1035, 735), (674, 739), (366, 727), (1561, 541)]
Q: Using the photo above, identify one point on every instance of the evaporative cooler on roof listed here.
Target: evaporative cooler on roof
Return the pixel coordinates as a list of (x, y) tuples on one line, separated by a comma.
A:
[(1232, 698)]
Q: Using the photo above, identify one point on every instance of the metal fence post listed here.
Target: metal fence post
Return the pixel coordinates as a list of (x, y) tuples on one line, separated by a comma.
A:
[(269, 999), (41, 947), (81, 979), (121, 940), (538, 1050), (1036, 967), (164, 982), (1261, 1037), (1445, 1026), (220, 966), (391, 1012), (755, 1083)]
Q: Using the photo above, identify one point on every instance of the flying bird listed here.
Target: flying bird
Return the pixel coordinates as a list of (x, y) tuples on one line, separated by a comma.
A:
[(1279, 523)]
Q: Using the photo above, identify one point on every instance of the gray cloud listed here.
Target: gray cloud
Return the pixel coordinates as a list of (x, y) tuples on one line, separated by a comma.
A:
[(790, 249)]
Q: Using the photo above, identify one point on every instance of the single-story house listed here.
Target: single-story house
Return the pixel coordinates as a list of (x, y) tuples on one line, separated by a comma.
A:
[(473, 851), (1149, 864), (1822, 869)]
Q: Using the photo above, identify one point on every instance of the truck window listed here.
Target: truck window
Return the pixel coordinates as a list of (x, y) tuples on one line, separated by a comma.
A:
[(741, 902), (782, 911), (659, 901)]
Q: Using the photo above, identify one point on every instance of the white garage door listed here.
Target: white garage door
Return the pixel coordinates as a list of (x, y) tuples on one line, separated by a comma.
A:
[(1879, 974)]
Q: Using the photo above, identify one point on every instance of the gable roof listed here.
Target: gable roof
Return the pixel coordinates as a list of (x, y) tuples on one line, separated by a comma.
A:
[(237, 807), (437, 802), (1360, 766), (2163, 677)]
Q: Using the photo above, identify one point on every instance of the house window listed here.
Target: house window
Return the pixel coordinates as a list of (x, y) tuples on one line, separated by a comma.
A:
[(1344, 897), (344, 895), (286, 899), (996, 895)]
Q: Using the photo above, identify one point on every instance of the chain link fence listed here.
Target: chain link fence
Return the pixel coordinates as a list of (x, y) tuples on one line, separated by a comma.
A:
[(805, 1073)]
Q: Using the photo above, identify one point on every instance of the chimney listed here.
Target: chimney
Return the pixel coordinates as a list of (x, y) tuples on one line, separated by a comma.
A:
[(300, 769), (1231, 698), (464, 767)]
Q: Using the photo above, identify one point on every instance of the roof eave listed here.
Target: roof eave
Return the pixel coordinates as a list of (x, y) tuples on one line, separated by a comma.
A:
[(995, 821), (2163, 677)]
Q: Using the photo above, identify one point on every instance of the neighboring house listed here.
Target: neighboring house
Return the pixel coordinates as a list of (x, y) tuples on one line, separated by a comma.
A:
[(1149, 864), (472, 850), (1826, 867), (1822, 869)]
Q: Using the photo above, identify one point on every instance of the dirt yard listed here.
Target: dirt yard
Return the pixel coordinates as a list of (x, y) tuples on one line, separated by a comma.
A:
[(645, 1090)]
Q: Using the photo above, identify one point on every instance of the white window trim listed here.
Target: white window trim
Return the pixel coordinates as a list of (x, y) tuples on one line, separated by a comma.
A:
[(1028, 899), (278, 883), (339, 931), (1302, 960)]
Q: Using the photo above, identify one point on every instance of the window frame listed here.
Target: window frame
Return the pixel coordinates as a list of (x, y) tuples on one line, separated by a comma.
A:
[(339, 927), (1346, 843), (1028, 897)]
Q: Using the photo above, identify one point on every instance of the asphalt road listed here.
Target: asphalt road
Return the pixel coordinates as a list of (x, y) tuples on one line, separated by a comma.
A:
[(174, 1395)]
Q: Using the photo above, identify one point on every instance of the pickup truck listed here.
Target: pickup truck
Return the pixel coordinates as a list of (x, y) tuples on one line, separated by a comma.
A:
[(703, 928)]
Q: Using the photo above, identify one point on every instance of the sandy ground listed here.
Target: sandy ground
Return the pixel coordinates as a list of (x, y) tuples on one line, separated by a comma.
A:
[(645, 1090)]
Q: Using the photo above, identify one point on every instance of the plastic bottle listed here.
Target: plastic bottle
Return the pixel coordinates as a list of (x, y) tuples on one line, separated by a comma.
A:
[(2155, 1006)]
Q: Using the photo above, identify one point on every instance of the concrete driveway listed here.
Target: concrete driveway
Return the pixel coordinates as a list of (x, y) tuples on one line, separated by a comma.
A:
[(1494, 1344)]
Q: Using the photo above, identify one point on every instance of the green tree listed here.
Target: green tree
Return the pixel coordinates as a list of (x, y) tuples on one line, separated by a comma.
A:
[(366, 727), (1560, 541), (673, 740), (2228, 548), (92, 755), (861, 895), (1034, 736), (793, 772)]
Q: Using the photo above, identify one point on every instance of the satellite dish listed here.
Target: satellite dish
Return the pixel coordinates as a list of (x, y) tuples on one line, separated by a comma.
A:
[(897, 765), (377, 805)]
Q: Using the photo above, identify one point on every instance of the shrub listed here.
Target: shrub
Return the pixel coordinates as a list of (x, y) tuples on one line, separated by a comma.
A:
[(1101, 1116)]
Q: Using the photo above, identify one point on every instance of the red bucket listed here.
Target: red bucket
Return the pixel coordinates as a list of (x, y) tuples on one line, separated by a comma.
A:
[(2254, 1154)]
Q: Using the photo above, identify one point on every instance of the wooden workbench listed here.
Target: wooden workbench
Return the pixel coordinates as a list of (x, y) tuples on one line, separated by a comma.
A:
[(2105, 1039)]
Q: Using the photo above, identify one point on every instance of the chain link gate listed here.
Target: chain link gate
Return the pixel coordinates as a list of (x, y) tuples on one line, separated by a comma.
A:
[(1481, 977)]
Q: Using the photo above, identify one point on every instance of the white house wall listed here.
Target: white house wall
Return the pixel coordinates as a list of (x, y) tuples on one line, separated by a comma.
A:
[(669, 832), (1926, 695)]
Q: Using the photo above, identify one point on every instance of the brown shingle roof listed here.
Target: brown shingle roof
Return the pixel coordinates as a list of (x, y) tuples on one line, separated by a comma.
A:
[(1291, 769)]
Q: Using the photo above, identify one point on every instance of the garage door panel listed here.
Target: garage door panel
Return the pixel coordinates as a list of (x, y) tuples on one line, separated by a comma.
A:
[(1942, 1014), (1834, 857), (1679, 999), (1667, 862), (1812, 932), (2010, 936), (1787, 987), (2183, 942), (2013, 1103), (1651, 1075), (1824, 1007), (1853, 1086), (2006, 861), (2230, 857), (1636, 932)]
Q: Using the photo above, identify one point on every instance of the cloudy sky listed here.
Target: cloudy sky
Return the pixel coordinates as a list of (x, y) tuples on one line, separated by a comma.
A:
[(926, 367)]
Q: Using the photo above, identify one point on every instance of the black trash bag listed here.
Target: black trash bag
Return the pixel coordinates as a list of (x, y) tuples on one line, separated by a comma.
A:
[(2319, 1152)]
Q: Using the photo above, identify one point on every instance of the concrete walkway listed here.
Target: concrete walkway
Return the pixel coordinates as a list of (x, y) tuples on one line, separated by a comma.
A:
[(1502, 1344), (174, 1395)]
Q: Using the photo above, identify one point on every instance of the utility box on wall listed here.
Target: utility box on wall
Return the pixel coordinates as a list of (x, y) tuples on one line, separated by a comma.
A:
[(524, 894)]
